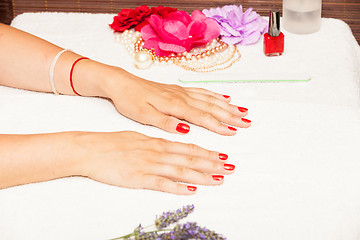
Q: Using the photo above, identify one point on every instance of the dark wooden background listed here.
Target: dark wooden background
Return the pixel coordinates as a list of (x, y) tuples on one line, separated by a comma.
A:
[(347, 10)]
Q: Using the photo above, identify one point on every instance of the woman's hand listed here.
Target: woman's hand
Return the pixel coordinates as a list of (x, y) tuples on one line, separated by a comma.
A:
[(161, 105), (165, 106), (133, 160), (124, 159)]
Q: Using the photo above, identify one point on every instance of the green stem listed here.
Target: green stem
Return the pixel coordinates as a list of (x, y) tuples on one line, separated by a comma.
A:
[(131, 234), (123, 237)]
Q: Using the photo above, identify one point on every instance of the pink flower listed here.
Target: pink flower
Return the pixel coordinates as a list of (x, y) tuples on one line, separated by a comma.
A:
[(179, 32)]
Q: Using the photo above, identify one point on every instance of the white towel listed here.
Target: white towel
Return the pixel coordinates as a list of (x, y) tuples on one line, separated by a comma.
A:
[(298, 166)]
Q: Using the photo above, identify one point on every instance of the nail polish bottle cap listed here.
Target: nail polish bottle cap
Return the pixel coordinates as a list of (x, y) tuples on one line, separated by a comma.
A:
[(274, 23)]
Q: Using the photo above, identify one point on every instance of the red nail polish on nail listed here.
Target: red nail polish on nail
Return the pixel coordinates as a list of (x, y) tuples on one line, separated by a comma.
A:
[(229, 167), (246, 120), (232, 129), (242, 109), (192, 188), (218, 177), (226, 96), (183, 128), (223, 156)]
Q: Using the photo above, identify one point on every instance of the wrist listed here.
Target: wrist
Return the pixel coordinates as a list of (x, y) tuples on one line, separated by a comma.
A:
[(83, 152), (91, 78)]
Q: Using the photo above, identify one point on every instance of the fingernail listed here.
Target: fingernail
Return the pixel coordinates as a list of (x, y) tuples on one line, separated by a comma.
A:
[(223, 156), (229, 167), (192, 188), (183, 128), (232, 129), (246, 120), (218, 177), (242, 109), (226, 96)]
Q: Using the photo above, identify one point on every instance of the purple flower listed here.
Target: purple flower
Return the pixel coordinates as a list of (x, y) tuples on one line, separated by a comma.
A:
[(238, 27), (191, 230), (171, 217)]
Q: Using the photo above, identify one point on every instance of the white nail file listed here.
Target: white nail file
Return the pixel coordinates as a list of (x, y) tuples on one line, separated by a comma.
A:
[(244, 77)]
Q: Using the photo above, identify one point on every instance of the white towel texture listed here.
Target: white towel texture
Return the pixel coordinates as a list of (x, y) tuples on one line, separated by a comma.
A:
[(297, 168)]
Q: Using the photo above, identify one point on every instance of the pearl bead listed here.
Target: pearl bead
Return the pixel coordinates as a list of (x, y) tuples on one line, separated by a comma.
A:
[(143, 60)]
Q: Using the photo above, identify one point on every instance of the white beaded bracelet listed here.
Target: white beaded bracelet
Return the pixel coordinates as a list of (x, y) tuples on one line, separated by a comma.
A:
[(52, 67)]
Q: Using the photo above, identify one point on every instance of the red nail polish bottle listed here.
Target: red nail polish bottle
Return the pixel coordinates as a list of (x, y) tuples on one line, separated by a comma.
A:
[(274, 39)]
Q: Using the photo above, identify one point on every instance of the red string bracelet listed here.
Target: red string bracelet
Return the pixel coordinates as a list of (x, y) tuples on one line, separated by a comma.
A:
[(71, 73)]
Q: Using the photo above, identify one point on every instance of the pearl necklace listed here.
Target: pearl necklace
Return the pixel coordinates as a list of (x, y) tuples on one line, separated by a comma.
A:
[(215, 56)]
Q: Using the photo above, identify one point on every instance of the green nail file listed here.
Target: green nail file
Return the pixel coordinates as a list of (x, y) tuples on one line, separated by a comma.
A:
[(244, 77)]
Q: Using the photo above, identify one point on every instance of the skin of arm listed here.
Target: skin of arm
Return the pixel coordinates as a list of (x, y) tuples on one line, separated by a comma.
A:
[(126, 159)]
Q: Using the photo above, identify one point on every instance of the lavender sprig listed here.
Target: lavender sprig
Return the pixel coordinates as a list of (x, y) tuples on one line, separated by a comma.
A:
[(181, 231), (168, 218)]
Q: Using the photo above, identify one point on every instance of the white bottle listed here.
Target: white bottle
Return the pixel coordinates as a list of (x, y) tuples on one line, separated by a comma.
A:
[(302, 16)]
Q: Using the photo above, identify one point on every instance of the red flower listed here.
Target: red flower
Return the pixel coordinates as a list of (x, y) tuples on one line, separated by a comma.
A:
[(129, 18), (179, 32)]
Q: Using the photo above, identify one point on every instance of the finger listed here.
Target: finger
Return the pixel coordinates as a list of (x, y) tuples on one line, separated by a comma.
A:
[(183, 174), (194, 163), (238, 111), (225, 98), (201, 118), (194, 150), (165, 146), (219, 113), (165, 122), (166, 185)]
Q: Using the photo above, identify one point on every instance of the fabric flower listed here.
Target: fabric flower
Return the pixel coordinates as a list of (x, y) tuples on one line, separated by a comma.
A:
[(160, 11), (129, 18), (179, 32), (237, 26)]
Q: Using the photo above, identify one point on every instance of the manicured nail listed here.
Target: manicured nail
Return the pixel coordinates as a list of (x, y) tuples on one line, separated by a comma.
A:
[(183, 128), (192, 188), (218, 177), (229, 167), (246, 120), (223, 156), (242, 109), (232, 129), (226, 96)]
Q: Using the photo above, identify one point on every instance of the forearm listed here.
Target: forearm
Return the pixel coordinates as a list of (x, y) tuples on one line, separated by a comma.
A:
[(25, 63), (34, 158)]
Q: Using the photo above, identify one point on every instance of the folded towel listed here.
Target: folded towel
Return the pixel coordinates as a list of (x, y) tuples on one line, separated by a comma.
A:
[(298, 166)]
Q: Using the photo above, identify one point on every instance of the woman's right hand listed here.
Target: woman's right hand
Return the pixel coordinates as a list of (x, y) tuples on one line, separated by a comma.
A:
[(133, 160)]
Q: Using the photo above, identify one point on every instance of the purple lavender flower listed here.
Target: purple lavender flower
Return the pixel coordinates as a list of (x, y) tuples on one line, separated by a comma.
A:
[(148, 236), (238, 27), (191, 230), (171, 217)]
